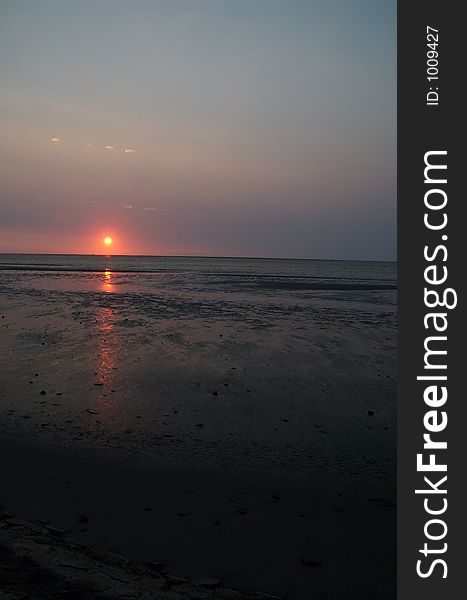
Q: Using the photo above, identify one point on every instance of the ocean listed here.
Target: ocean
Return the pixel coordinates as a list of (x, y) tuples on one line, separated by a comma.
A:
[(273, 273), (216, 265)]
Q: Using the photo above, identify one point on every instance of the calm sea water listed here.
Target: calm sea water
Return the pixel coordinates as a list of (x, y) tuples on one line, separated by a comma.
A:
[(384, 272)]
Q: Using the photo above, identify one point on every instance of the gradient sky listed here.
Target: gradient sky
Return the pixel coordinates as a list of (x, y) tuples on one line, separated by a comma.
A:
[(215, 127)]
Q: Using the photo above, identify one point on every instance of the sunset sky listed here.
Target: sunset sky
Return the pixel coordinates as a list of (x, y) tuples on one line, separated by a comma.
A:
[(206, 127)]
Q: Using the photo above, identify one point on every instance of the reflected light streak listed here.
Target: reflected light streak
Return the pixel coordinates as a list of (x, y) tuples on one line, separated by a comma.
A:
[(106, 365), (107, 285), (106, 346)]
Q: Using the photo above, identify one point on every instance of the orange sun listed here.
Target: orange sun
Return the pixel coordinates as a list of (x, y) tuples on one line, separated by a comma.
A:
[(108, 241)]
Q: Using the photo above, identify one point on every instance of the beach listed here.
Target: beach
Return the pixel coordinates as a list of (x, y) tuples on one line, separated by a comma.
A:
[(229, 418)]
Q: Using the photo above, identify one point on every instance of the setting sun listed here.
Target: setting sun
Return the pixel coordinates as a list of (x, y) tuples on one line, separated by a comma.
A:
[(108, 241)]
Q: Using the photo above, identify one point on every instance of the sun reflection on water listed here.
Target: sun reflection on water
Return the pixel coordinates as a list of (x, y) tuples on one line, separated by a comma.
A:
[(107, 285), (107, 346), (107, 352), (106, 366)]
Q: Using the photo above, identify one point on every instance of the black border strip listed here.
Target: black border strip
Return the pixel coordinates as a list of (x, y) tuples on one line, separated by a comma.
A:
[(423, 128)]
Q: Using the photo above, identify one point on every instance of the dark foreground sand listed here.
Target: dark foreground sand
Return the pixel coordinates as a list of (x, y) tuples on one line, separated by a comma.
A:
[(276, 534), (240, 435), (38, 562)]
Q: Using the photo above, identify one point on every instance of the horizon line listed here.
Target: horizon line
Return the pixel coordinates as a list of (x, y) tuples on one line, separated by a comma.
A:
[(199, 256)]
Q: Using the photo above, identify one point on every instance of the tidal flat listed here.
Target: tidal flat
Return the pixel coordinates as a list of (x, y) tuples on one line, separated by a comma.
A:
[(229, 420)]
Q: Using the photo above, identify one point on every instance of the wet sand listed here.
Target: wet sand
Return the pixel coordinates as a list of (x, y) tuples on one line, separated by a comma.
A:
[(241, 430)]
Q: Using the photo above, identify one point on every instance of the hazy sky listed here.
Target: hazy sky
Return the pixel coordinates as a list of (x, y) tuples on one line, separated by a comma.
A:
[(216, 127)]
